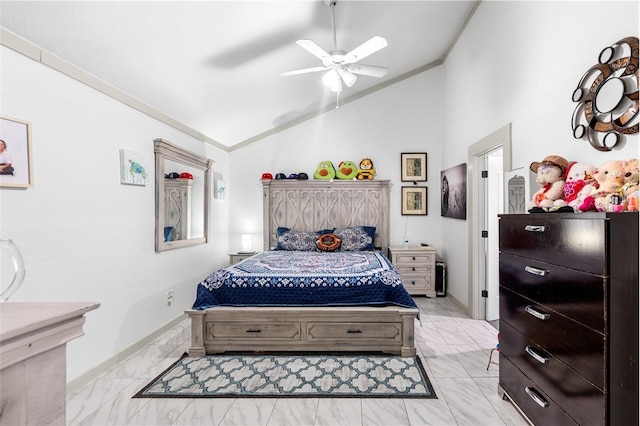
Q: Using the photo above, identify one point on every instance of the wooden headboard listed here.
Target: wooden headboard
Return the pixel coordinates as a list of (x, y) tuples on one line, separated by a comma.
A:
[(311, 205)]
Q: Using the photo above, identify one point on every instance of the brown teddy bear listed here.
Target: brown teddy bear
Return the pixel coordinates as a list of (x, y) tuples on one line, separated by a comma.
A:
[(550, 174)]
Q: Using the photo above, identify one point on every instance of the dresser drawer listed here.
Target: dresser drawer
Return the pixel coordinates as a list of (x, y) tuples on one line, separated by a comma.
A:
[(354, 331), (538, 406), (577, 295), (576, 243), (579, 347), (577, 396), (246, 331)]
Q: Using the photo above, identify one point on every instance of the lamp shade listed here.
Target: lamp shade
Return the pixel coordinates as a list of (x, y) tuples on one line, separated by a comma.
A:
[(246, 242)]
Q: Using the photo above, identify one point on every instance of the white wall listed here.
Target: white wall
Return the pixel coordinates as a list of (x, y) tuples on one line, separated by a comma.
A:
[(83, 235), (519, 62), (405, 117)]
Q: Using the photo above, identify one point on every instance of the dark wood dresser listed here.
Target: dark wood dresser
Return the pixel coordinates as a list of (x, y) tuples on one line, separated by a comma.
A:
[(569, 317)]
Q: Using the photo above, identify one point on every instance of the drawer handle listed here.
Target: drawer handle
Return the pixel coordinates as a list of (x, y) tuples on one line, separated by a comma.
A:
[(536, 271), (413, 269), (254, 330), (540, 315), (414, 258), (537, 398), (533, 354), (534, 228), (354, 331)]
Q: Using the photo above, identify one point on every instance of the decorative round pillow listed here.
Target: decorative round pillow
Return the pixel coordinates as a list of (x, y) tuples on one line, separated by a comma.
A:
[(328, 242)]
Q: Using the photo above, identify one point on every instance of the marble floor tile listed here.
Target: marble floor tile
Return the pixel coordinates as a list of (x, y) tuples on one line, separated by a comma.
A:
[(294, 412), (505, 409), (159, 411), (249, 411), (339, 411), (384, 412), (468, 404), (204, 412), (429, 412)]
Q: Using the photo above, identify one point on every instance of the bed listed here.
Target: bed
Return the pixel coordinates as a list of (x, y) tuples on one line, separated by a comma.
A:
[(286, 299)]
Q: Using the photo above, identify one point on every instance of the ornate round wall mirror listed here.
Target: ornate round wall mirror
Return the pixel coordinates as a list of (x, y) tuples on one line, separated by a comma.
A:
[(607, 97)]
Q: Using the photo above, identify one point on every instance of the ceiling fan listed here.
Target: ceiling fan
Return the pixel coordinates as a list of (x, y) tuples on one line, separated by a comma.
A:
[(340, 65)]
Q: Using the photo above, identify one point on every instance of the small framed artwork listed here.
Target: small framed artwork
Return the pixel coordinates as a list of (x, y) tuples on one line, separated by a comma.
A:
[(414, 200), (16, 170), (133, 170), (413, 166)]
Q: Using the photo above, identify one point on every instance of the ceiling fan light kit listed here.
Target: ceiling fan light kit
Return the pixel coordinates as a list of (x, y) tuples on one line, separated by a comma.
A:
[(341, 66)]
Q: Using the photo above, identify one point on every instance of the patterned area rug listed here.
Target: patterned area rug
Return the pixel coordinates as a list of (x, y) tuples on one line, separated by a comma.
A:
[(308, 375)]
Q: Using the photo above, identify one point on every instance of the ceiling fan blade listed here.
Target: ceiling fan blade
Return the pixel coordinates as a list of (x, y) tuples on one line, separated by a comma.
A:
[(369, 70), (302, 71), (348, 77), (317, 51), (367, 48)]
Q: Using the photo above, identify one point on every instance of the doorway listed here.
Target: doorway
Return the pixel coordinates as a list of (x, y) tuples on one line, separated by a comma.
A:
[(491, 155)]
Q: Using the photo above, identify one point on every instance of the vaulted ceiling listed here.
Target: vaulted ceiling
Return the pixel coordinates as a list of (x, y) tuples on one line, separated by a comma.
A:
[(213, 66)]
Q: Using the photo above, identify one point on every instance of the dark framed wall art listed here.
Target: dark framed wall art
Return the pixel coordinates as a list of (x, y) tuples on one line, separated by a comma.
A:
[(413, 166), (414, 200), (453, 192), (16, 170)]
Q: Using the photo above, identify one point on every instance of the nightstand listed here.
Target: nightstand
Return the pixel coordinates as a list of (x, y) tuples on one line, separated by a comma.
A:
[(417, 267), (237, 257)]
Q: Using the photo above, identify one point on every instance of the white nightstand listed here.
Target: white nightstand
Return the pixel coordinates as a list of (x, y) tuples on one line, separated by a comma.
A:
[(417, 267), (237, 257)]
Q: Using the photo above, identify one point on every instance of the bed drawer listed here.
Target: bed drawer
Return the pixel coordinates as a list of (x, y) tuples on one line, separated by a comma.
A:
[(354, 331), (577, 295), (579, 398), (247, 331), (577, 244), (579, 347), (540, 408)]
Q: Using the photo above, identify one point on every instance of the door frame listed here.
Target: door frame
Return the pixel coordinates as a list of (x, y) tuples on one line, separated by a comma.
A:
[(476, 209)]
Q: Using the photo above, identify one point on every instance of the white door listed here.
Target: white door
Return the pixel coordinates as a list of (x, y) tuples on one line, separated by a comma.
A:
[(493, 207)]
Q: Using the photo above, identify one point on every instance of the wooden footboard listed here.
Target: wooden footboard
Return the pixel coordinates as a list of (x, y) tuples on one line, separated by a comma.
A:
[(347, 329)]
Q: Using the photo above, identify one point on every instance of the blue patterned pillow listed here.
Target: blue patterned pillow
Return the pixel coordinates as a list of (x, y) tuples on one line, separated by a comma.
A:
[(288, 239), (356, 238)]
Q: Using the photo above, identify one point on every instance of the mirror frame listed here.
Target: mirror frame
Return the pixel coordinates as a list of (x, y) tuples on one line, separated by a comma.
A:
[(165, 150)]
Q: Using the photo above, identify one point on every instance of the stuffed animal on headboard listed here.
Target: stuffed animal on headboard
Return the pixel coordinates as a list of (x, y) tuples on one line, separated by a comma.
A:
[(325, 171), (347, 170), (366, 170), (631, 189)]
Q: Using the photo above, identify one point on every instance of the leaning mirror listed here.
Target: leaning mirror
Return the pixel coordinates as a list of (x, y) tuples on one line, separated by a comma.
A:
[(182, 197)]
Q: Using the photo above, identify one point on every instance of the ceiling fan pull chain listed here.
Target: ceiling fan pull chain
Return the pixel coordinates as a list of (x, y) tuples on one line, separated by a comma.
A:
[(333, 25), (337, 100)]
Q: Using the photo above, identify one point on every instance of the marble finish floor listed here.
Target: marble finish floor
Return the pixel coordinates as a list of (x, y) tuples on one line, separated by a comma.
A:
[(454, 349)]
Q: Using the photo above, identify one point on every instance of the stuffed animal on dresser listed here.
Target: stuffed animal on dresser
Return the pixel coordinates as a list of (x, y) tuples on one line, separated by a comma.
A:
[(607, 192), (347, 170), (550, 174), (366, 170), (630, 189), (325, 171), (578, 185)]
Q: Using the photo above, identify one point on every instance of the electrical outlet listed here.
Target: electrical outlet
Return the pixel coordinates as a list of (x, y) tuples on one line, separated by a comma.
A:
[(170, 294)]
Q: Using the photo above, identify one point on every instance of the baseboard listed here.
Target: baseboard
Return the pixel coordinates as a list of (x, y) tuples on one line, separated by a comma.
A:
[(460, 305), (101, 368)]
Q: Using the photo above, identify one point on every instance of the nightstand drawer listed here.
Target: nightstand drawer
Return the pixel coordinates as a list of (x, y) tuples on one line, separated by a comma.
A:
[(414, 258), (415, 270), (415, 283)]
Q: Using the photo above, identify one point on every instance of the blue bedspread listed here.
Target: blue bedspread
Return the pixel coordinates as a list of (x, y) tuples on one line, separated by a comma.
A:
[(294, 278)]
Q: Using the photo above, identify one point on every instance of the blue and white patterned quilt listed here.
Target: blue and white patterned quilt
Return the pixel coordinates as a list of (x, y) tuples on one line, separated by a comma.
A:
[(295, 278)]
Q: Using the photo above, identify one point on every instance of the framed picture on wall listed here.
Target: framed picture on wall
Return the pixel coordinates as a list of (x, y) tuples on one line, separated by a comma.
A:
[(16, 170), (453, 192), (413, 166), (414, 200)]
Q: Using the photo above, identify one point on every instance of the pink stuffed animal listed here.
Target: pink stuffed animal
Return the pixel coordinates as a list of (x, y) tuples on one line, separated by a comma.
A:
[(550, 176), (578, 185), (607, 193), (630, 189)]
